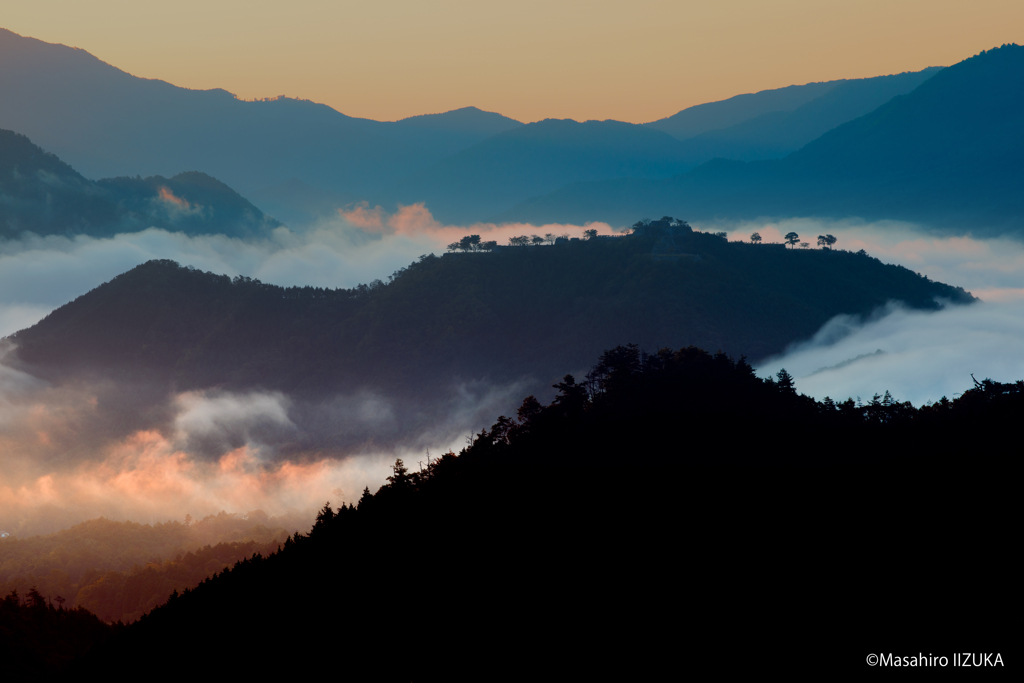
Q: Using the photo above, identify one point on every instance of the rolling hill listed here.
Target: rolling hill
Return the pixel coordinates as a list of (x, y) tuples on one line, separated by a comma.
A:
[(501, 316)]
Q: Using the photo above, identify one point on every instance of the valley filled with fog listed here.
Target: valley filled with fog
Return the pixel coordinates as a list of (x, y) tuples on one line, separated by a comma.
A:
[(916, 356), (87, 449)]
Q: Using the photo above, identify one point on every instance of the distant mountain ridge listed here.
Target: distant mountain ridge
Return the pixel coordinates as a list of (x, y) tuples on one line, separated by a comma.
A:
[(40, 193), (494, 175), (499, 172), (301, 160), (773, 134), (106, 122), (948, 153), (703, 118)]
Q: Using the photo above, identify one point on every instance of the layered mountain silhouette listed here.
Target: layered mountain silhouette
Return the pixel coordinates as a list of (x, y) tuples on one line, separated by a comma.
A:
[(39, 193), (783, 127), (498, 173), (300, 161), (501, 171), (106, 122), (711, 116), (949, 153)]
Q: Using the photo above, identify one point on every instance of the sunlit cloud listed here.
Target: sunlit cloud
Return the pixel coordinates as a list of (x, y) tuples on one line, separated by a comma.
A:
[(169, 197), (144, 478), (363, 217), (70, 454)]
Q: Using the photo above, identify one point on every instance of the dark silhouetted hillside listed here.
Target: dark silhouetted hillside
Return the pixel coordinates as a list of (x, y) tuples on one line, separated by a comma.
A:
[(120, 570), (665, 496), (519, 312)]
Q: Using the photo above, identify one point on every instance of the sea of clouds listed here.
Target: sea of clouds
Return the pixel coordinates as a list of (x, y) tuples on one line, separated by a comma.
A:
[(917, 356), (79, 450), (76, 451), (38, 274)]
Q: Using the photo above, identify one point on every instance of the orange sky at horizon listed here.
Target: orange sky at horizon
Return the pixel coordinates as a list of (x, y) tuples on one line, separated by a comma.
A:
[(533, 59)]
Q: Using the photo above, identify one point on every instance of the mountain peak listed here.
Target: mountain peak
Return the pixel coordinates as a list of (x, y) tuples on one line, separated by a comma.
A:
[(464, 119)]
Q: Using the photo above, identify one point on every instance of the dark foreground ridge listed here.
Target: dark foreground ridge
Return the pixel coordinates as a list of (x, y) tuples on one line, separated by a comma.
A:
[(665, 499)]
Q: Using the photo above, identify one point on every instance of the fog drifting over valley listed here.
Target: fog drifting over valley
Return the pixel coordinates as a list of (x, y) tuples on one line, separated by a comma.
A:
[(38, 274), (917, 356), (75, 452)]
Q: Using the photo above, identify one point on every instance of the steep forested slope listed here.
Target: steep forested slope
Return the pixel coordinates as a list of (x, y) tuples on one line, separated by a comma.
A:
[(668, 496), (120, 570)]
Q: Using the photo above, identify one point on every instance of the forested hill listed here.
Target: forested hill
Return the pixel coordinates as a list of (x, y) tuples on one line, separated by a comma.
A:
[(43, 195), (498, 315), (661, 498)]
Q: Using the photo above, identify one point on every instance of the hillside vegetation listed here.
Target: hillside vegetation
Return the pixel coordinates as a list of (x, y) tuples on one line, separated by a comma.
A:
[(674, 484), (499, 315), (121, 570)]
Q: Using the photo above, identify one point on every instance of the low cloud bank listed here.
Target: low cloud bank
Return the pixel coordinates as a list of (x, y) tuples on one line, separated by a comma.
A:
[(991, 269), (38, 274), (82, 450), (74, 452), (917, 356)]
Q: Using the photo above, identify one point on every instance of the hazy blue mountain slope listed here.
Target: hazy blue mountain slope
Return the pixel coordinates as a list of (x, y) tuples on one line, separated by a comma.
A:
[(462, 124), (709, 116), (508, 168), (776, 134), (300, 204), (949, 154), (106, 122), (40, 193)]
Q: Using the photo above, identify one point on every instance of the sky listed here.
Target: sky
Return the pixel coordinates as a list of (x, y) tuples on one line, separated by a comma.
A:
[(631, 61)]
